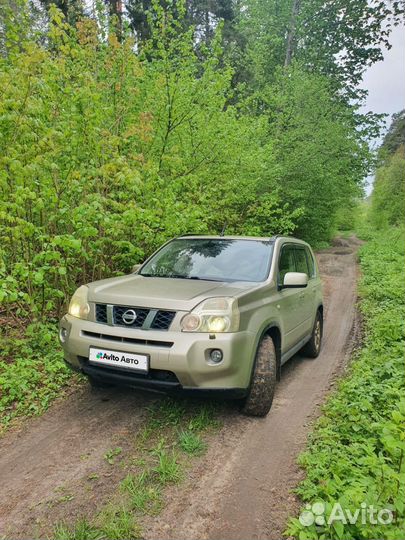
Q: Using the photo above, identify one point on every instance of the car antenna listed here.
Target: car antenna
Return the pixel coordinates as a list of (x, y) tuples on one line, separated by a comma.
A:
[(223, 228)]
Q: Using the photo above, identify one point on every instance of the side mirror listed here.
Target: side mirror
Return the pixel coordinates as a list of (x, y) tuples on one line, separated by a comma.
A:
[(135, 268), (295, 280)]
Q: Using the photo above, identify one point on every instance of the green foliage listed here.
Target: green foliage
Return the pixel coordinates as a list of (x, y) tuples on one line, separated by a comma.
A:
[(32, 373), (388, 197), (356, 452), (104, 157), (321, 157), (337, 39), (395, 136)]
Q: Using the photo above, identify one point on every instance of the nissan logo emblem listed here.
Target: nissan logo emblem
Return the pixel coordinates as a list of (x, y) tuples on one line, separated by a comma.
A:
[(129, 316)]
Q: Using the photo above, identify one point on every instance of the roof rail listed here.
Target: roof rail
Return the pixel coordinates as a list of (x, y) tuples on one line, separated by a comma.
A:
[(193, 234)]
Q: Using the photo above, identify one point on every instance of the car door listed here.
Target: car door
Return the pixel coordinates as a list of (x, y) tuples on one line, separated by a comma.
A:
[(289, 300), (306, 295)]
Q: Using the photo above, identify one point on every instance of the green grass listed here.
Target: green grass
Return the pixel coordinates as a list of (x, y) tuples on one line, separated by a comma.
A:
[(145, 495), (82, 530), (356, 452), (113, 525), (168, 469), (191, 443), (119, 525)]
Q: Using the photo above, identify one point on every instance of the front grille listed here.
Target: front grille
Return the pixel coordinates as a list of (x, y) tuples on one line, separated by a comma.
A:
[(136, 341), (120, 311), (101, 313), (134, 317), (162, 320)]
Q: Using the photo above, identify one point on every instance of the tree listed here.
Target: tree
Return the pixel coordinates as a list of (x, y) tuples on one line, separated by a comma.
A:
[(203, 15), (321, 157), (338, 38), (388, 197), (395, 136), (71, 9)]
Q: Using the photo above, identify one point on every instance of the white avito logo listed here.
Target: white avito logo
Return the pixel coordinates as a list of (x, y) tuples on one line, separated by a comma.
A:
[(315, 514)]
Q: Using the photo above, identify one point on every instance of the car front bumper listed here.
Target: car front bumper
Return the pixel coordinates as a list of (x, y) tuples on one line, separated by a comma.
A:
[(177, 360)]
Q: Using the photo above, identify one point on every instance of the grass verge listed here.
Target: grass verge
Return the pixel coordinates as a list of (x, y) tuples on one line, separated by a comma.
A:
[(355, 456)]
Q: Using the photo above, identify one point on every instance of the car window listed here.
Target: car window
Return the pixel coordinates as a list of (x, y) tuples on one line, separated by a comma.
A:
[(311, 263), (286, 262), (301, 264)]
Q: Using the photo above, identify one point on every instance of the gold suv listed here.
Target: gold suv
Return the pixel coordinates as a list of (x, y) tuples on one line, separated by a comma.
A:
[(207, 314)]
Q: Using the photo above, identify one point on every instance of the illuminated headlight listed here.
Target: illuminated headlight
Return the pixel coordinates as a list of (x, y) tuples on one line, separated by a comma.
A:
[(78, 306), (214, 315)]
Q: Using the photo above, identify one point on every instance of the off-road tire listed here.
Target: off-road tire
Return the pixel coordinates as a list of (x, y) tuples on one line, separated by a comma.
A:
[(263, 382), (98, 384), (313, 347)]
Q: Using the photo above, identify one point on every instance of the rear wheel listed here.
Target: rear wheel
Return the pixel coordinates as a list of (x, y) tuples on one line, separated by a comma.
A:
[(313, 347), (263, 383)]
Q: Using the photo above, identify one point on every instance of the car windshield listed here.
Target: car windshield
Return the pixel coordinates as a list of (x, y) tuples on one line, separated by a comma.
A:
[(212, 259)]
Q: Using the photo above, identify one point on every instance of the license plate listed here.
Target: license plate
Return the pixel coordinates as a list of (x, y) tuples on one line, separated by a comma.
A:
[(104, 357)]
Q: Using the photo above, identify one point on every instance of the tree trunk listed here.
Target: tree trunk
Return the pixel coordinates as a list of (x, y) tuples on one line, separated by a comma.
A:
[(291, 33), (116, 11)]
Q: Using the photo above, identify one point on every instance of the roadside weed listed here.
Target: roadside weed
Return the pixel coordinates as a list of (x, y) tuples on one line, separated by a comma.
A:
[(145, 495), (191, 443), (204, 419), (167, 412), (82, 530), (167, 469), (119, 525), (112, 454)]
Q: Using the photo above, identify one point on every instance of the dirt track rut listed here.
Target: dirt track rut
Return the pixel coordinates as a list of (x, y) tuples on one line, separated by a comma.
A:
[(241, 489)]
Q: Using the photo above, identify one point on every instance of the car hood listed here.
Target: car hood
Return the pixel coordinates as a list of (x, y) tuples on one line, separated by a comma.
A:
[(161, 293)]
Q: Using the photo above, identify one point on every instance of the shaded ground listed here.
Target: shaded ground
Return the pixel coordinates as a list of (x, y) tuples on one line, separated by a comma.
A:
[(54, 468)]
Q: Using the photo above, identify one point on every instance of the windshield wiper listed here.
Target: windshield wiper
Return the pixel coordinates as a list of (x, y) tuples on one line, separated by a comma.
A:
[(179, 276)]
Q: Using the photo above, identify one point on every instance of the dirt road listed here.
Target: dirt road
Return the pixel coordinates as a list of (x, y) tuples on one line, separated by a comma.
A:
[(241, 489)]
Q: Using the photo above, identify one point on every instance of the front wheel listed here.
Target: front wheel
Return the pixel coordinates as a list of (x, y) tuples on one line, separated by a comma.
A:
[(313, 347), (263, 383)]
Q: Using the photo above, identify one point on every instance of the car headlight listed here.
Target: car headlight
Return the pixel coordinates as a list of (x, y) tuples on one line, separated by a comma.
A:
[(78, 306), (214, 315)]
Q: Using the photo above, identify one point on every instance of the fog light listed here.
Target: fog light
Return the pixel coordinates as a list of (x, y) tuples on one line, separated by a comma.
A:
[(216, 356), (63, 334)]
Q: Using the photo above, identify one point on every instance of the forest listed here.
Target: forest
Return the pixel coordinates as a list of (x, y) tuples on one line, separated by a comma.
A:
[(121, 130), (124, 124)]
